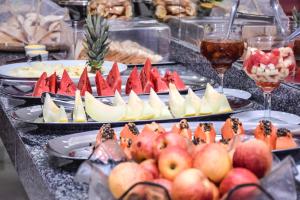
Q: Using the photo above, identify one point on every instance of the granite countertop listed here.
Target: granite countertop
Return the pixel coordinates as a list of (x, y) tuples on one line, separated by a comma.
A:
[(42, 179)]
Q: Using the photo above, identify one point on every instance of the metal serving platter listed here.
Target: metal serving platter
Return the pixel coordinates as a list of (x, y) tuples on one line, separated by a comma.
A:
[(33, 114), (5, 70), (79, 146), (23, 89)]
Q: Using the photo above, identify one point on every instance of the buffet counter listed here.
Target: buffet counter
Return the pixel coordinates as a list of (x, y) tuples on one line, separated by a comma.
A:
[(42, 179)]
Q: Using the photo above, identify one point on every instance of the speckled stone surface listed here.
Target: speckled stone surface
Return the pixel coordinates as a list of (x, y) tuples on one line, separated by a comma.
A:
[(285, 98), (26, 146)]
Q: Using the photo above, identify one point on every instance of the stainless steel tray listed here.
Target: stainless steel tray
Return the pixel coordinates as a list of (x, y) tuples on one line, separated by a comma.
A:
[(23, 89), (33, 115), (79, 146)]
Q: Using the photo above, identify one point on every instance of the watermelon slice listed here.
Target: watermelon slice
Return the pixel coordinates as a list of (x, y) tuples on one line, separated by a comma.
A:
[(52, 82), (154, 74), (41, 86), (175, 79), (84, 83), (103, 88), (114, 79), (134, 82), (160, 85), (145, 73), (67, 87)]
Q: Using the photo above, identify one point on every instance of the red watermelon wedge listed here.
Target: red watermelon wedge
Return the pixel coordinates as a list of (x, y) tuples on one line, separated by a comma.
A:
[(154, 74), (66, 87), (134, 82), (84, 83), (160, 85), (175, 79), (41, 86), (103, 88), (114, 79), (52, 82), (145, 73)]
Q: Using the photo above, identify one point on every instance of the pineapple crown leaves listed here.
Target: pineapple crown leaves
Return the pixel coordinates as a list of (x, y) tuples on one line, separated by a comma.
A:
[(96, 40), (296, 15)]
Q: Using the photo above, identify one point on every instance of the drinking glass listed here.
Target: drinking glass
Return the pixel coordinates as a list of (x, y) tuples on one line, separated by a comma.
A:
[(221, 51), (268, 61)]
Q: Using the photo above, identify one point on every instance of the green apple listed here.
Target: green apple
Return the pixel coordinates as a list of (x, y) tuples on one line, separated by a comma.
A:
[(101, 112), (79, 112)]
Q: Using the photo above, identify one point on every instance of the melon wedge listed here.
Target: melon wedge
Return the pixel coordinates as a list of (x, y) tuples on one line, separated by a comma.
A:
[(176, 101), (160, 109), (135, 107), (194, 99), (118, 100), (218, 102), (50, 110), (79, 112), (148, 111), (62, 116), (205, 108), (224, 105), (101, 112), (189, 109)]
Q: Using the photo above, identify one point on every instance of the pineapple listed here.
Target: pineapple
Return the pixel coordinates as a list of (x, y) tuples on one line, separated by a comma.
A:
[(296, 17), (96, 41)]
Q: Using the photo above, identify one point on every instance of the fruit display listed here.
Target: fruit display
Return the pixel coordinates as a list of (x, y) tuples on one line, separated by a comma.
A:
[(148, 78), (65, 86), (113, 9), (153, 108), (275, 138), (96, 41), (164, 9), (269, 69), (186, 170)]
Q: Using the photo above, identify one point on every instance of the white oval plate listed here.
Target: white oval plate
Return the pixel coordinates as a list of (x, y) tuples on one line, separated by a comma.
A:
[(6, 70), (276, 117)]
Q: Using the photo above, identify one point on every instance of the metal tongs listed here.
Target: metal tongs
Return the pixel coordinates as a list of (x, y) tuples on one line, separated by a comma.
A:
[(232, 17), (275, 6)]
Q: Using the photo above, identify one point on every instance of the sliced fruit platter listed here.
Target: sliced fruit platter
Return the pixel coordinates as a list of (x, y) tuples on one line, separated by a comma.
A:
[(231, 132), (190, 160), (33, 70), (140, 83), (116, 110)]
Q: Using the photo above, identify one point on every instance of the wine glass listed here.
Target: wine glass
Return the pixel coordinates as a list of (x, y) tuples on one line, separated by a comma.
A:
[(221, 51), (268, 61)]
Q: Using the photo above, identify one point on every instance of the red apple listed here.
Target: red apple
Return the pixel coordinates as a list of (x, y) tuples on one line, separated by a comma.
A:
[(141, 148), (166, 140), (236, 177), (172, 161), (214, 161), (253, 155), (191, 184), (165, 183), (124, 175), (197, 148), (151, 166)]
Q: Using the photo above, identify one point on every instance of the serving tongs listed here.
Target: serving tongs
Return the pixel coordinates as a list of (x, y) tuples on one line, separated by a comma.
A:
[(240, 15)]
